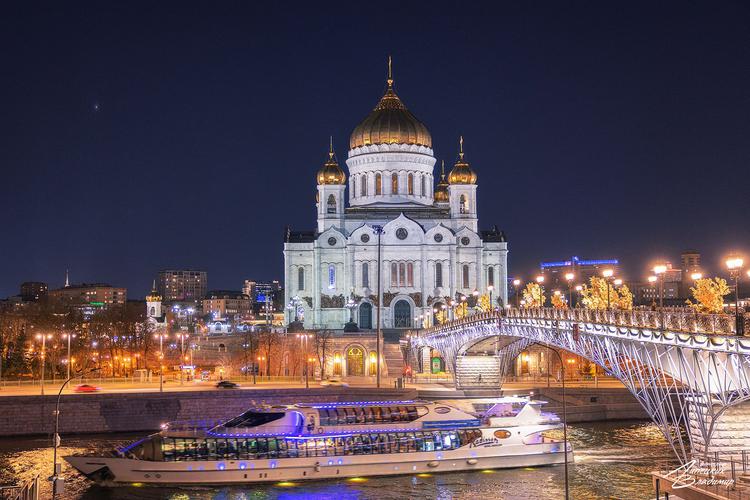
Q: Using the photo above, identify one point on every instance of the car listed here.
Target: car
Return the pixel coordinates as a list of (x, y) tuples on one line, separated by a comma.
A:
[(226, 384), (333, 382), (86, 388)]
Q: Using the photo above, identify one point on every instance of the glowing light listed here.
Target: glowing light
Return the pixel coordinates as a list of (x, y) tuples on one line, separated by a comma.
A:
[(516, 282), (540, 279), (661, 268), (286, 484), (697, 276), (424, 474), (734, 263), (487, 471), (357, 479), (652, 279), (607, 273), (569, 276)]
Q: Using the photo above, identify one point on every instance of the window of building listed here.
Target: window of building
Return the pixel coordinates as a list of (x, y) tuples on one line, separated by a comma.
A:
[(331, 276), (410, 183), (365, 274), (363, 188), (394, 274), (331, 204), (394, 184), (465, 276), (300, 278), (491, 276), (401, 274), (438, 274), (354, 185), (421, 186), (409, 274), (378, 184), (462, 204)]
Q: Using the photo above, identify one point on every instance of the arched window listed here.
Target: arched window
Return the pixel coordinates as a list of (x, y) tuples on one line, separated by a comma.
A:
[(401, 274), (462, 204), (153, 311), (331, 204), (491, 276), (394, 184), (354, 185), (465, 276), (421, 186), (365, 275), (410, 183), (438, 274), (301, 278), (409, 274), (331, 276), (363, 188), (394, 274), (378, 184)]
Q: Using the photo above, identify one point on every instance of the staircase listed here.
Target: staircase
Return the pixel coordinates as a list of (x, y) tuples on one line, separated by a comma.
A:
[(394, 359), (478, 372)]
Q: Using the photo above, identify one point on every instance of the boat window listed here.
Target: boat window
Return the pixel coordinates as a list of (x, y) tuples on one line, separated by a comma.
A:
[(262, 447), (369, 415), (412, 411), (351, 416), (404, 415), (253, 418), (291, 445), (378, 412), (360, 415), (323, 413), (341, 416)]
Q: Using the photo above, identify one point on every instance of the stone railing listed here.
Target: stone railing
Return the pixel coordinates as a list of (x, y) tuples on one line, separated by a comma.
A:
[(666, 319)]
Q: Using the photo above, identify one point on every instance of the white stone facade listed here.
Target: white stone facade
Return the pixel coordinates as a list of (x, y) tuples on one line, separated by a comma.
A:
[(430, 252)]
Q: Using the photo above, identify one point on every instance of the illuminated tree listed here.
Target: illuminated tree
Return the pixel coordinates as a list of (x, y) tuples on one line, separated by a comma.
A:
[(558, 301), (709, 295), (599, 292), (441, 316), (533, 295), (484, 304), (461, 310)]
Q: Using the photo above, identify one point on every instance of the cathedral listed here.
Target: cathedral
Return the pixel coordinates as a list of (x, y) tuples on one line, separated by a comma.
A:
[(423, 235)]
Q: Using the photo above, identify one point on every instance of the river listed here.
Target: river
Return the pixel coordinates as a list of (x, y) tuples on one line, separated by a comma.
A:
[(612, 460)]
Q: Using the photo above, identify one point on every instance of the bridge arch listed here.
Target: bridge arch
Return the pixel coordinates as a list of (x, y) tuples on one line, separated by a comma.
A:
[(689, 382)]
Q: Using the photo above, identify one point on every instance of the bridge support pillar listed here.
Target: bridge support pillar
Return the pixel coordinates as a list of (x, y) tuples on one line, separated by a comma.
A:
[(728, 436)]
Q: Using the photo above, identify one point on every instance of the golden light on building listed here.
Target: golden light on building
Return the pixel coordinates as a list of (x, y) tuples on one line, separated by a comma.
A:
[(569, 276), (607, 273)]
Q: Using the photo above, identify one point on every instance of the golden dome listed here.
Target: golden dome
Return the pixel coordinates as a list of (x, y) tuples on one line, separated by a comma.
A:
[(462, 172), (330, 172), (441, 191), (390, 123)]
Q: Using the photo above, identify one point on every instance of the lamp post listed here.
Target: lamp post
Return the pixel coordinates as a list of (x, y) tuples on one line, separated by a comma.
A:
[(659, 272), (607, 273), (56, 469), (734, 264), (43, 338), (516, 284), (579, 289), (490, 289), (540, 280), (161, 336), (379, 231), (565, 419), (569, 278), (68, 335)]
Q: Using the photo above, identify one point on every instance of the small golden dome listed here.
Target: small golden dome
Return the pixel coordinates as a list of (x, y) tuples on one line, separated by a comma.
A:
[(462, 172), (390, 123), (441, 191), (330, 172)]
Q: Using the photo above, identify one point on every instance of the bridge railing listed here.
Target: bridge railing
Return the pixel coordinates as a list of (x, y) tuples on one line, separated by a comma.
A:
[(664, 319)]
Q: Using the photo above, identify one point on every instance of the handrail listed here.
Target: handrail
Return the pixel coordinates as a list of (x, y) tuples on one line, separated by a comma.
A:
[(671, 319)]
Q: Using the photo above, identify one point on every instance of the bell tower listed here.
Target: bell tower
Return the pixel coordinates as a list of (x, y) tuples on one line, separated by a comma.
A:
[(462, 191), (331, 187)]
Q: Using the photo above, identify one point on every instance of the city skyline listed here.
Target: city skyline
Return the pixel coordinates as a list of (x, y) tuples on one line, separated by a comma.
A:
[(185, 150)]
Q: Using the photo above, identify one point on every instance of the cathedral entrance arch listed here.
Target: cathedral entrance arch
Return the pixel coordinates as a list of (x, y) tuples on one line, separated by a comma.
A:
[(355, 361), (365, 315), (402, 314)]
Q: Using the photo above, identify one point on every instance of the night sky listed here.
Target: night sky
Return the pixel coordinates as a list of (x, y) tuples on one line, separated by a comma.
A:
[(142, 136)]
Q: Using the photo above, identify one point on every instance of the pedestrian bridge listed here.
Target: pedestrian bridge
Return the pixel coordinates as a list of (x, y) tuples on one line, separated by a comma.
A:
[(689, 371)]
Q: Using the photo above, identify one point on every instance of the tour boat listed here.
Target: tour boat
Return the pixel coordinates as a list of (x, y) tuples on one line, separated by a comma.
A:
[(337, 440)]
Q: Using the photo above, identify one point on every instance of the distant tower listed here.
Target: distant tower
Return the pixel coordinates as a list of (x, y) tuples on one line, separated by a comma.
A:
[(67, 280), (153, 303)]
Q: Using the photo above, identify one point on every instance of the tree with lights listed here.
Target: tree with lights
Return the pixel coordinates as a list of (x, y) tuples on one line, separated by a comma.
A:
[(484, 304), (601, 293), (558, 301), (709, 295), (533, 295)]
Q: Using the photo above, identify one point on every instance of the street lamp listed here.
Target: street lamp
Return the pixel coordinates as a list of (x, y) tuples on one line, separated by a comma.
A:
[(516, 284), (43, 338), (161, 359), (490, 289), (379, 231), (659, 272), (68, 335), (608, 273), (579, 289), (540, 280), (696, 276), (734, 264), (569, 278)]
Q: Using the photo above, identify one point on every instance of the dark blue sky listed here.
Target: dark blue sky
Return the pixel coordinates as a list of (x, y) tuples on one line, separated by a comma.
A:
[(599, 129)]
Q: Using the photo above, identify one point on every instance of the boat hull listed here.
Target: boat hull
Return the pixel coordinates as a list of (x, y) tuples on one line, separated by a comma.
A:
[(126, 470)]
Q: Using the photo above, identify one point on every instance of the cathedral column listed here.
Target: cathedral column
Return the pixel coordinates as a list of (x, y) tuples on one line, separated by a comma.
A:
[(316, 286)]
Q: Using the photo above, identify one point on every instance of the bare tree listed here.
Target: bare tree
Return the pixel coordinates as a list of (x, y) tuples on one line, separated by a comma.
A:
[(323, 341)]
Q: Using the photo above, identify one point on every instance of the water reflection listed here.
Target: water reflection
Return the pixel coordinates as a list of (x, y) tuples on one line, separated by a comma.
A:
[(612, 460)]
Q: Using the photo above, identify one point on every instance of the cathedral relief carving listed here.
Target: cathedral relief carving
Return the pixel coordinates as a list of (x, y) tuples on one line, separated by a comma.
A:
[(373, 299), (417, 298), (388, 297), (308, 300), (332, 301)]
